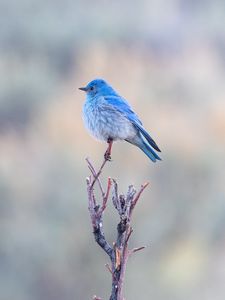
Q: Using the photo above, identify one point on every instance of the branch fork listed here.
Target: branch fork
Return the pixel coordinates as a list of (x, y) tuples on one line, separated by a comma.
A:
[(124, 205)]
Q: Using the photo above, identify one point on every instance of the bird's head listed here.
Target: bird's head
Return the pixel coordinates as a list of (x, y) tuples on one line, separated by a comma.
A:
[(98, 87)]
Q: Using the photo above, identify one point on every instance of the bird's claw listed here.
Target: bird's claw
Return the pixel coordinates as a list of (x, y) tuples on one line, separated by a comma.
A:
[(107, 156)]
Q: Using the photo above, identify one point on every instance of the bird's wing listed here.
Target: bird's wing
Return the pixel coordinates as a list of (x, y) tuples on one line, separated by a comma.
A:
[(146, 135), (124, 108)]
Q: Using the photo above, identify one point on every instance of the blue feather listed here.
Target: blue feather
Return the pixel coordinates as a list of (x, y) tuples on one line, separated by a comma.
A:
[(123, 107), (149, 152), (108, 115)]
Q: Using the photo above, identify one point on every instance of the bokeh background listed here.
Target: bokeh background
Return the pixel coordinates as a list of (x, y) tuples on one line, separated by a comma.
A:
[(168, 59)]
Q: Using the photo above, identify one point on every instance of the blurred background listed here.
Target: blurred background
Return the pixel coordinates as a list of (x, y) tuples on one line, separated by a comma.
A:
[(168, 59)]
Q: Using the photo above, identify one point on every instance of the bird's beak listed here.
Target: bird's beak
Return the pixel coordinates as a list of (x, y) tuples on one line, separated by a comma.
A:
[(83, 89)]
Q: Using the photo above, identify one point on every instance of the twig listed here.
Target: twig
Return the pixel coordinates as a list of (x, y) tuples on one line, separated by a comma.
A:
[(135, 200), (105, 198), (129, 233), (137, 249), (91, 168), (99, 172)]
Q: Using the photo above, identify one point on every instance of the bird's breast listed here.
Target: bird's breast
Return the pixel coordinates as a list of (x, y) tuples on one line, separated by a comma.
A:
[(106, 123)]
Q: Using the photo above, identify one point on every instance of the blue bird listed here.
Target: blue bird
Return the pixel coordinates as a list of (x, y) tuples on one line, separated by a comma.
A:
[(109, 117)]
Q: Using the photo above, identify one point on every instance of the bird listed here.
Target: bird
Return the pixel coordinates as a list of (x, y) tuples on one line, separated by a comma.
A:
[(109, 117)]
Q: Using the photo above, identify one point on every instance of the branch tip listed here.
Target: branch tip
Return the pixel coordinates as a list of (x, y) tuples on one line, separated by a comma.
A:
[(96, 298), (145, 184), (137, 249), (88, 180)]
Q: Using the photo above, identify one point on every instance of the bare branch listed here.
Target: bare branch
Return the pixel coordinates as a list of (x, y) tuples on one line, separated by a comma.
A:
[(105, 197), (91, 168), (99, 172), (137, 249), (115, 196), (124, 205), (96, 215), (135, 200), (129, 234)]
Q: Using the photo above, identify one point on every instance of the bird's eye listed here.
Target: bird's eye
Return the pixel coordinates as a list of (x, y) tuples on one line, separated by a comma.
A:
[(91, 88)]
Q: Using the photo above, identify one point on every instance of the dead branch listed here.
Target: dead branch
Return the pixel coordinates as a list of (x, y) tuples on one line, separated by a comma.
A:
[(124, 205)]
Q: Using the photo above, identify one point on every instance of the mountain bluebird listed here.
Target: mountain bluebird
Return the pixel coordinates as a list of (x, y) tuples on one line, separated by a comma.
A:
[(109, 117)]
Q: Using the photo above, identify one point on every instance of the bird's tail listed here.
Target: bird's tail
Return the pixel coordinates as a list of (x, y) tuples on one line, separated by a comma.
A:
[(149, 151)]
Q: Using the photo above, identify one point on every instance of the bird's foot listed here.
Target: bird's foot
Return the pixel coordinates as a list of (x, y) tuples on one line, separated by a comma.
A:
[(107, 156)]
